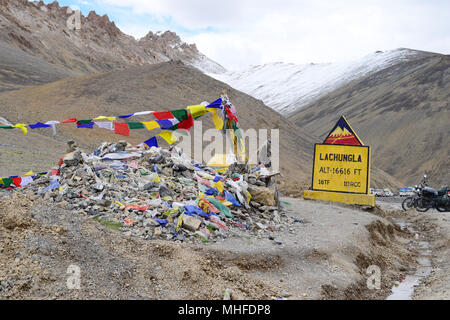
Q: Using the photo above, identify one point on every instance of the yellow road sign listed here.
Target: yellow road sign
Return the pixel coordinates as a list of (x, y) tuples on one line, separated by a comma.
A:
[(341, 168)]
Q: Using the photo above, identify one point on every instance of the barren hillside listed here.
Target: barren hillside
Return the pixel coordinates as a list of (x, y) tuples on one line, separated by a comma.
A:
[(19, 69)]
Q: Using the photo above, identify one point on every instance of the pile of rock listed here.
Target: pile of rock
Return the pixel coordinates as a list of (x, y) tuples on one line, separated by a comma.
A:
[(152, 193)]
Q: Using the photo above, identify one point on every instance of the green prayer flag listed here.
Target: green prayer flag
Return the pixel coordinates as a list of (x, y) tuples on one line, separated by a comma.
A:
[(85, 121), (181, 115), (6, 127), (136, 125), (7, 182), (220, 206)]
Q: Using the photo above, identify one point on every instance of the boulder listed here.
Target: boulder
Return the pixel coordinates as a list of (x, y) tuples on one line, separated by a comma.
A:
[(151, 223), (72, 159), (191, 223), (265, 196)]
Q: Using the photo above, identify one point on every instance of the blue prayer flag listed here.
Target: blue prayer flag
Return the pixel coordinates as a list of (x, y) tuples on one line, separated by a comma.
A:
[(153, 142), (126, 116), (39, 125), (216, 104), (86, 125)]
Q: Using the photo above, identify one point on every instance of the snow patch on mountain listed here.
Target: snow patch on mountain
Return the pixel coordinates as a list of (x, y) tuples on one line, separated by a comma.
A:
[(206, 65), (288, 87)]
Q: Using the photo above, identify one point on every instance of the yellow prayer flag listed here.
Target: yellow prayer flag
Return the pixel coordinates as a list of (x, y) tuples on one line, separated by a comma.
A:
[(150, 125), (119, 203), (168, 136), (1, 181), (103, 118), (218, 121), (157, 179), (22, 127), (219, 186), (180, 221), (29, 173), (198, 110)]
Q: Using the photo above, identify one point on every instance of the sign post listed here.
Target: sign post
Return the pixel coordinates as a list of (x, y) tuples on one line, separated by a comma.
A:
[(341, 169)]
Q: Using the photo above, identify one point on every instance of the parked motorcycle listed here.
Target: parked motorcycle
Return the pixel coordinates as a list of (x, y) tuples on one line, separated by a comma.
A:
[(427, 198), (411, 201)]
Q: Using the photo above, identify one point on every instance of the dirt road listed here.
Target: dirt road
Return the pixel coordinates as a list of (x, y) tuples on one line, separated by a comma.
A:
[(324, 255)]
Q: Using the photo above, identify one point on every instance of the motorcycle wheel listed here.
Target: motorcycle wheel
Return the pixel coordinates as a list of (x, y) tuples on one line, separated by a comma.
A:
[(421, 206), (408, 203), (443, 209)]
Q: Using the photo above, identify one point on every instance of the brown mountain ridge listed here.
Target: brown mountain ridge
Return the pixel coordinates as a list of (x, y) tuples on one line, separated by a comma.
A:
[(98, 46)]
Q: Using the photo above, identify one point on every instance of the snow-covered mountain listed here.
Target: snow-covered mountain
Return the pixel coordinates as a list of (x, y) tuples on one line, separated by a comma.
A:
[(288, 87)]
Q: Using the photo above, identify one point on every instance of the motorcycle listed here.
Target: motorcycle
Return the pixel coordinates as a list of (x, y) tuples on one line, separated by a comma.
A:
[(427, 198), (411, 201)]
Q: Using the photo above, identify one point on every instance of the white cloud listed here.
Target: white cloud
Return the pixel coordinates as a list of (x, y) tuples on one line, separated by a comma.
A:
[(253, 32)]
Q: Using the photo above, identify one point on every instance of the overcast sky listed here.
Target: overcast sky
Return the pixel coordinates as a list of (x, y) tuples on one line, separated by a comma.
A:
[(239, 33)]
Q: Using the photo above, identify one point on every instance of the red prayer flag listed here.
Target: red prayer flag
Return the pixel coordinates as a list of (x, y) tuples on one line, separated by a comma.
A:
[(17, 181), (122, 129), (230, 114), (186, 124), (70, 120), (163, 115)]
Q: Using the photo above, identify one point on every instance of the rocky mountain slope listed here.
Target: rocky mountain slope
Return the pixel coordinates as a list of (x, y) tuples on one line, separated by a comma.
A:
[(288, 87), (403, 112), (19, 69), (42, 31)]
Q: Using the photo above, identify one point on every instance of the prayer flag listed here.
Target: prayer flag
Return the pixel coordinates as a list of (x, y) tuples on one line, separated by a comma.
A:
[(70, 120), (153, 142), (150, 125), (168, 136), (216, 104), (86, 125), (162, 115), (198, 110), (22, 127), (39, 125), (135, 125), (122, 129)]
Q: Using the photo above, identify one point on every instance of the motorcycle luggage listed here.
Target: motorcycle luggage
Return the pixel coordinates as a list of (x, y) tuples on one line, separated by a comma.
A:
[(443, 191)]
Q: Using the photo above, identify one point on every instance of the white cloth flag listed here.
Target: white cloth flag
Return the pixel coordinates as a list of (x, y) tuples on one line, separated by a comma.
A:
[(105, 125), (142, 113), (53, 124), (25, 181)]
